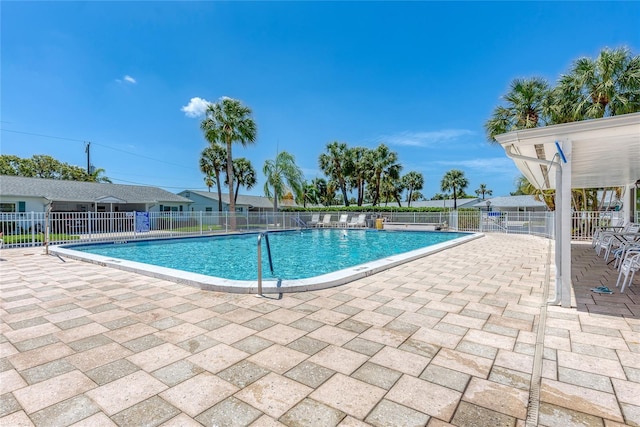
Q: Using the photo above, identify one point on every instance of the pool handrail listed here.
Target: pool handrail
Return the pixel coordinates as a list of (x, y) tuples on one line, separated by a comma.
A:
[(266, 239)]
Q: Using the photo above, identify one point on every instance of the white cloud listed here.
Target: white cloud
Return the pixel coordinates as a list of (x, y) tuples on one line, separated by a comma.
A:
[(196, 107), (127, 79), (425, 139)]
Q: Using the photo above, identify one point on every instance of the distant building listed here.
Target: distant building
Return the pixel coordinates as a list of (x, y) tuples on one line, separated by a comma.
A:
[(207, 201), (525, 203), (446, 203), (20, 194)]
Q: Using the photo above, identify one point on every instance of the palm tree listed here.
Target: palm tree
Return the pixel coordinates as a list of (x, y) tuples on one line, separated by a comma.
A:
[(382, 163), (322, 189), (209, 182), (309, 194), (282, 174), (358, 166), (482, 190), (335, 165), (454, 181), (97, 175), (391, 190), (412, 181), (524, 187), (606, 86), (524, 108), (330, 194), (213, 160), (229, 122), (244, 174), (417, 196)]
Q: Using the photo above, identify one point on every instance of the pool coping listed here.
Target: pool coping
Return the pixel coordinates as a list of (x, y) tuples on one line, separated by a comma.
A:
[(212, 283)]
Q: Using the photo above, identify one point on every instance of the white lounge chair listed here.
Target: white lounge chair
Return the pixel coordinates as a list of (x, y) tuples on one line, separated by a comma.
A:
[(315, 219), (343, 221), (359, 221), (326, 221)]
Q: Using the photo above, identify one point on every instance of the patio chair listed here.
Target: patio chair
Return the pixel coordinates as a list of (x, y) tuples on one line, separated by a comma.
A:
[(326, 221), (618, 226), (343, 221), (621, 251), (359, 221), (315, 219), (604, 235), (629, 266), (610, 241)]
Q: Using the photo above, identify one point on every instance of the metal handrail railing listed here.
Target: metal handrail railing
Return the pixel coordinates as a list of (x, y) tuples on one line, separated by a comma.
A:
[(264, 234)]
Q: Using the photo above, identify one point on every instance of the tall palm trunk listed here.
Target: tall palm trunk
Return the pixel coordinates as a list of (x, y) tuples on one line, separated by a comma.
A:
[(219, 192), (232, 201), (455, 199)]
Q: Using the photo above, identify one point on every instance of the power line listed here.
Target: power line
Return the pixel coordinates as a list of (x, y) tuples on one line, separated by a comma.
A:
[(95, 143), (156, 185)]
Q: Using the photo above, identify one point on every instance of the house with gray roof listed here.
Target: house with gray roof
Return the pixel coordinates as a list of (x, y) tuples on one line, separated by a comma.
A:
[(207, 201), (446, 203), (526, 203), (20, 194)]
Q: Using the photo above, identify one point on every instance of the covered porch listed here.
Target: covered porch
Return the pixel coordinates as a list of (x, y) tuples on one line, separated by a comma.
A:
[(588, 154)]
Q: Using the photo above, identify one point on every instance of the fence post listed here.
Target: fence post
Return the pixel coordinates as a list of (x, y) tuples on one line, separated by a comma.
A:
[(46, 229), (33, 230), (89, 225)]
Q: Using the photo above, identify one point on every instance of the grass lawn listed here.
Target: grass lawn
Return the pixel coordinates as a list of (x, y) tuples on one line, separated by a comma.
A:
[(39, 237)]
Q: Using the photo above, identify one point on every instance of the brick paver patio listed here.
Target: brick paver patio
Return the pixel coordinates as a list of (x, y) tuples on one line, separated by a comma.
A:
[(449, 339)]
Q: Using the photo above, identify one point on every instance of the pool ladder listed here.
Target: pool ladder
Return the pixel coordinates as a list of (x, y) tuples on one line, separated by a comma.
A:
[(266, 239)]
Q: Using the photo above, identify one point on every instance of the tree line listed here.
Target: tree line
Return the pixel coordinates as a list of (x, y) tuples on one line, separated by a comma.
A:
[(605, 86), (44, 166), (373, 175)]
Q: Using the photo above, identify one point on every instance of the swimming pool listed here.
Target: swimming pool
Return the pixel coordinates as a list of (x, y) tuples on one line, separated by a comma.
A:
[(301, 259)]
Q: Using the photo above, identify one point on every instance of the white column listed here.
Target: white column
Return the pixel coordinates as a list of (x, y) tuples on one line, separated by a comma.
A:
[(565, 224), (627, 202)]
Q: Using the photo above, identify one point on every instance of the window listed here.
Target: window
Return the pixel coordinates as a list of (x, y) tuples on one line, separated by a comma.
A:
[(208, 209), (22, 206), (7, 207)]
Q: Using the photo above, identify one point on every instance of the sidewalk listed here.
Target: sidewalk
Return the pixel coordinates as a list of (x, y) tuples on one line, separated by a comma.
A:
[(449, 339)]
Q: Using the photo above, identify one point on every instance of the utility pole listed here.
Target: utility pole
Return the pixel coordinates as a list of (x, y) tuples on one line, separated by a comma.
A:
[(87, 149)]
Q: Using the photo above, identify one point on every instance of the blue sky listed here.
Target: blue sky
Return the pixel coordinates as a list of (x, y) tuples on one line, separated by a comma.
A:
[(421, 77)]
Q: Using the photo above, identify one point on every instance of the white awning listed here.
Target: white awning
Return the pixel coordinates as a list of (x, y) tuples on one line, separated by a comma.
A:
[(587, 154), (606, 152)]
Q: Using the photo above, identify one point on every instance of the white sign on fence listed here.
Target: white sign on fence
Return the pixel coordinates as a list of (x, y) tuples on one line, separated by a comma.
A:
[(142, 222)]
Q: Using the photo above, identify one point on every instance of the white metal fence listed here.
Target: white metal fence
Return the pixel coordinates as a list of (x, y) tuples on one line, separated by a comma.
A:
[(38, 228)]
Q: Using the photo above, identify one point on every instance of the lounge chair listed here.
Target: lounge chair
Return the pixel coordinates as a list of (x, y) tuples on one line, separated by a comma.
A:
[(315, 219), (358, 222), (343, 221), (326, 221)]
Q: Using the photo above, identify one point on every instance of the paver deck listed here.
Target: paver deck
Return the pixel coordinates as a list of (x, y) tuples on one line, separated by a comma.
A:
[(450, 339)]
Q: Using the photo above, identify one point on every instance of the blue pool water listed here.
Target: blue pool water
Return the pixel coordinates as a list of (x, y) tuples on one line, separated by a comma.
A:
[(296, 255)]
